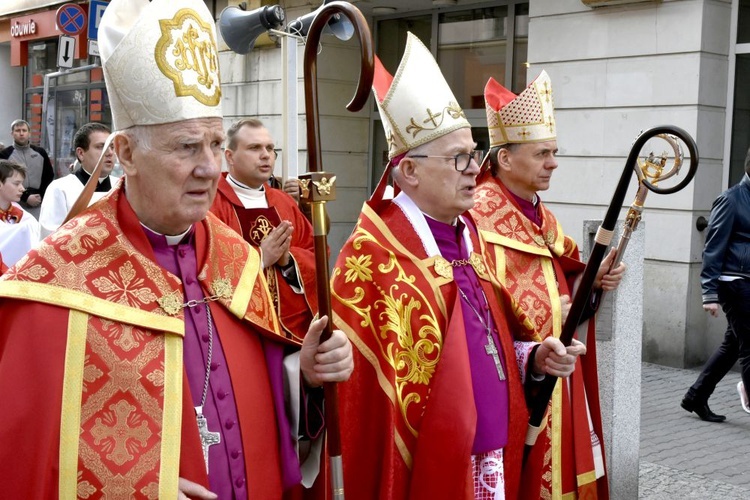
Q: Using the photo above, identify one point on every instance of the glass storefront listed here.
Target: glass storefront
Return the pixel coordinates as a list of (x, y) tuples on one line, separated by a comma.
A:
[(75, 97), (470, 45)]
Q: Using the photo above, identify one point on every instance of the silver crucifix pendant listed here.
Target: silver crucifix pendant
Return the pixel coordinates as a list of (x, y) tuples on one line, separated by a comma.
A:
[(491, 350), (208, 438)]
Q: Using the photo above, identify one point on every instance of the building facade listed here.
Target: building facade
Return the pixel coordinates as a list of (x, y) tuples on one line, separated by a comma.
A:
[(617, 67)]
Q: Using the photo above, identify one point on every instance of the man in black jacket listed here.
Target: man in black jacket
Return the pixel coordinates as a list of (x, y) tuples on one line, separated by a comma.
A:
[(725, 281), (39, 171)]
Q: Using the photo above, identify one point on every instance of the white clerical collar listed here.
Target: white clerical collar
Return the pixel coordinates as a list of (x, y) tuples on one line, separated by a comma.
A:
[(417, 220), (172, 240), (249, 196), (78, 163), (244, 186)]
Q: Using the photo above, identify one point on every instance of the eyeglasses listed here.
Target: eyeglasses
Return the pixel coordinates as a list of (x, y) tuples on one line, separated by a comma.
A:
[(461, 160)]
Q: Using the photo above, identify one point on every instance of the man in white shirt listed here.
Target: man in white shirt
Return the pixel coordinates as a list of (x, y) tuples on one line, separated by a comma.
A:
[(62, 193), (19, 230)]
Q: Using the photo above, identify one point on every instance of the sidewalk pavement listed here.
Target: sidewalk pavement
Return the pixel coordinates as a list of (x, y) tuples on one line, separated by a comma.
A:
[(682, 456)]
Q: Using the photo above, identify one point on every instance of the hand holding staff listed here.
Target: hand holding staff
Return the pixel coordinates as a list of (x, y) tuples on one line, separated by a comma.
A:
[(319, 187), (603, 239)]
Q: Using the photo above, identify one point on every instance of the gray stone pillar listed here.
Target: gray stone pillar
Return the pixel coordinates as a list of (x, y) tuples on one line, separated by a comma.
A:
[(618, 344)]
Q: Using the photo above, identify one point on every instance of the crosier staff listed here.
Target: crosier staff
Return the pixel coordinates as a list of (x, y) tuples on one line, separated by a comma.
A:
[(649, 175), (318, 187), (83, 200)]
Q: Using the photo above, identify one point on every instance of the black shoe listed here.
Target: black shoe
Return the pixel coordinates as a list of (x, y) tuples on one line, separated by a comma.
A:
[(702, 410)]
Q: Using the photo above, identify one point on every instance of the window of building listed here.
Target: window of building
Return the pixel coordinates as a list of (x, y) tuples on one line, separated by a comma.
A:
[(740, 119), (74, 97), (471, 45), (743, 22)]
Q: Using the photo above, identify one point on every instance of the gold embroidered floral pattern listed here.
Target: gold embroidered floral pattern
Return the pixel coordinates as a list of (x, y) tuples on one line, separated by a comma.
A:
[(513, 228), (401, 318), (91, 373), (85, 489), (70, 272), (411, 357), (27, 270), (171, 303), (121, 432), (233, 259), (156, 377), (222, 288), (85, 238), (150, 491), (358, 267), (124, 287)]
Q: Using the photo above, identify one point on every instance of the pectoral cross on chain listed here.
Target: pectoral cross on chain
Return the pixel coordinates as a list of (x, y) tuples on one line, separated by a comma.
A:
[(491, 350), (208, 438)]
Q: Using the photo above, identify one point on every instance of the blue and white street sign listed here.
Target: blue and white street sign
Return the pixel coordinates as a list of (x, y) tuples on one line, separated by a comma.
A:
[(96, 11)]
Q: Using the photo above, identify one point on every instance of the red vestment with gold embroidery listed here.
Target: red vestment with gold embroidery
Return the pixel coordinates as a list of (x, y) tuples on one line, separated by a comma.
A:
[(538, 264), (91, 378), (407, 414), (295, 310)]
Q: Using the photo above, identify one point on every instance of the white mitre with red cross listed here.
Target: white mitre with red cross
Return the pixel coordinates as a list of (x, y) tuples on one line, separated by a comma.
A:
[(527, 117), (160, 61), (416, 104)]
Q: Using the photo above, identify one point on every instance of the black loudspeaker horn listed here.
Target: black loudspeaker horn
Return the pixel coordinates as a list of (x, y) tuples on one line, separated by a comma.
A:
[(339, 25), (240, 28)]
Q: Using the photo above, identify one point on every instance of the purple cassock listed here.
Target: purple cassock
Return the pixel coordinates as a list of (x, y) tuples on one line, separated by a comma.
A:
[(226, 461), (529, 209), (490, 393)]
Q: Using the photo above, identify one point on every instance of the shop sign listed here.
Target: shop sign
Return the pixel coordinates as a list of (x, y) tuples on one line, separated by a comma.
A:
[(23, 29)]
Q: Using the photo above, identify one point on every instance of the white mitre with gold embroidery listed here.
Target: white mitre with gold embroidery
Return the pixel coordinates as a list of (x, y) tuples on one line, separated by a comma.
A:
[(528, 117), (160, 60), (416, 105)]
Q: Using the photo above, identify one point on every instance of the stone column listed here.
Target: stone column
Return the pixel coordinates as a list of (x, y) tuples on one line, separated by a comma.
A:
[(618, 344)]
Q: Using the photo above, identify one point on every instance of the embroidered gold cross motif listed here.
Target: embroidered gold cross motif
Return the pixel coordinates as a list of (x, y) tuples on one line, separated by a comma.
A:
[(453, 110), (431, 118), (550, 123), (123, 430), (546, 91)]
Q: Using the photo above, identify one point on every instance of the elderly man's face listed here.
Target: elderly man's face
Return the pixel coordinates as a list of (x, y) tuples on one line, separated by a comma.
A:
[(172, 185), (442, 192)]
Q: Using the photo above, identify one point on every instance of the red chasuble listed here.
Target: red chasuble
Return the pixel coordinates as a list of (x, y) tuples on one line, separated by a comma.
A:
[(295, 310), (538, 265), (407, 414), (96, 402)]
